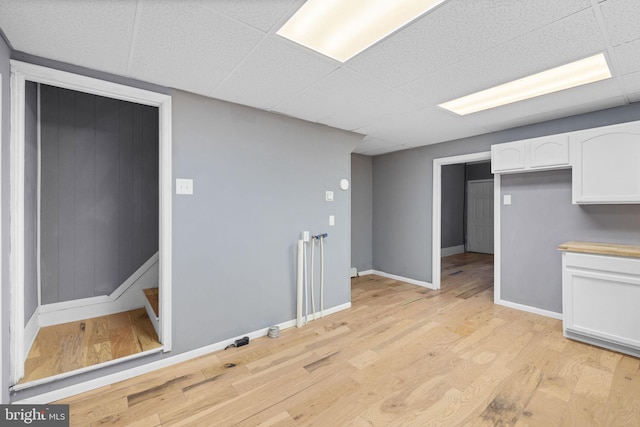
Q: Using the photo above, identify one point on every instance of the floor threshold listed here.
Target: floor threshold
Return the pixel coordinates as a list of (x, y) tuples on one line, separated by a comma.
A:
[(53, 378)]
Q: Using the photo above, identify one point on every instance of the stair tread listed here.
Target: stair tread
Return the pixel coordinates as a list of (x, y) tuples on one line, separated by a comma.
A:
[(152, 295)]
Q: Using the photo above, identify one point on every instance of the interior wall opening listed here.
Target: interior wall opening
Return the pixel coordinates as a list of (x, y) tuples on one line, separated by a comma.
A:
[(91, 173)]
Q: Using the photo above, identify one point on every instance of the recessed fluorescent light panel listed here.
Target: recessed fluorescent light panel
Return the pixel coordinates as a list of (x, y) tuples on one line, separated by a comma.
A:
[(577, 73), (341, 29)]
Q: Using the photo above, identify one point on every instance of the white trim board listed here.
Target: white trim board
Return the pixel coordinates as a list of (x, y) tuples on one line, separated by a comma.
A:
[(63, 393), (398, 278), (436, 232), (20, 72), (529, 309)]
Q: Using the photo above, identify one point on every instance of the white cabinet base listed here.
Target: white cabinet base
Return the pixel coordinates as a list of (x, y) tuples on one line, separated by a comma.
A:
[(601, 296)]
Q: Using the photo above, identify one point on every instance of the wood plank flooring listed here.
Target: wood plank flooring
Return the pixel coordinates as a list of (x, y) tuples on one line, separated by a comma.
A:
[(69, 346), (401, 356)]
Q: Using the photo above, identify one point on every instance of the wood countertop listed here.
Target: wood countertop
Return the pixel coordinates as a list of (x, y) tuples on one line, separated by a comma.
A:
[(601, 249)]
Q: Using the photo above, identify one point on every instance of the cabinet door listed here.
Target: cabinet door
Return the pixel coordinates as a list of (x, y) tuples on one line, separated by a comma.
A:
[(600, 296), (606, 166), (549, 151), (507, 157)]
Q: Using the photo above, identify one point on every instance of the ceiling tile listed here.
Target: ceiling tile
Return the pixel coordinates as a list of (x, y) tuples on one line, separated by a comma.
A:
[(93, 34), (628, 57), (455, 30), (263, 15), (272, 73), (570, 39), (560, 104), (195, 50), (374, 146), (343, 89), (380, 108), (427, 126), (553, 114), (621, 18), (632, 86)]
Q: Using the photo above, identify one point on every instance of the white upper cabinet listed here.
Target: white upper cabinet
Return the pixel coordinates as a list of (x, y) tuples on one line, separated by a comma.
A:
[(606, 164), (507, 157), (549, 152)]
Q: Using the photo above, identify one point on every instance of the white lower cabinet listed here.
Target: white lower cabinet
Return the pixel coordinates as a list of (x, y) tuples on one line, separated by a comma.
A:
[(601, 300)]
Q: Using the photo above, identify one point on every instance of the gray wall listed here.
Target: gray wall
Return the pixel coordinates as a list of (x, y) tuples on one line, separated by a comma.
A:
[(5, 72), (402, 190), (259, 181), (30, 200), (361, 212), (99, 192), (452, 205), (540, 217)]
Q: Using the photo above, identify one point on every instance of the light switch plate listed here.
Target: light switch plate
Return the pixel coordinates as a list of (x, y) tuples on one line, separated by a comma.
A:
[(332, 220), (184, 186), (328, 196), (507, 199)]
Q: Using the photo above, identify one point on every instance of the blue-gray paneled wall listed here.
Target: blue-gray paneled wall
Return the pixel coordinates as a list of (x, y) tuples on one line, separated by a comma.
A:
[(5, 121), (30, 201), (99, 192), (361, 212), (540, 217), (452, 206)]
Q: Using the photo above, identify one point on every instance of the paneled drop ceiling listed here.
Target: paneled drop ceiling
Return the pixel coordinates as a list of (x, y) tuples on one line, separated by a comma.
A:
[(228, 49)]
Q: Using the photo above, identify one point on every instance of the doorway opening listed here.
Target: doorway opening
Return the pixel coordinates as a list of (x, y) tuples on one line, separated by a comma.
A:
[(79, 208), (480, 233)]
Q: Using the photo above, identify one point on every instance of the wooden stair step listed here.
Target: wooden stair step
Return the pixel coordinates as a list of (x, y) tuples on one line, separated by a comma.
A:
[(152, 295)]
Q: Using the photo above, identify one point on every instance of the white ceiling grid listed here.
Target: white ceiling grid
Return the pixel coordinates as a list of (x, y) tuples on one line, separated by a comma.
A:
[(228, 49)]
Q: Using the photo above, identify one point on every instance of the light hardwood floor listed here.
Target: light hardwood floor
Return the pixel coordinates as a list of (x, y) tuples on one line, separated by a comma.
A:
[(402, 355), (69, 346)]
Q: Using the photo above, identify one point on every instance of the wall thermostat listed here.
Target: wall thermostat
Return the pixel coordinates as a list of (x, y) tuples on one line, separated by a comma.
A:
[(344, 184)]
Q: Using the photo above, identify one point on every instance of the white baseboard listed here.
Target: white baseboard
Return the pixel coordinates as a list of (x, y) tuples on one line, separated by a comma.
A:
[(63, 393), (529, 309), (452, 250), (30, 333), (399, 278), (128, 296), (365, 272)]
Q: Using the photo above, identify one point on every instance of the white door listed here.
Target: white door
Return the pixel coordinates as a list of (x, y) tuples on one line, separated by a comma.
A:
[(480, 216)]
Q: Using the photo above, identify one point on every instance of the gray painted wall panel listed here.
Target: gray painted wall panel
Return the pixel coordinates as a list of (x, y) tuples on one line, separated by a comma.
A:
[(361, 212), (92, 181), (452, 205), (84, 218), (125, 179), (49, 205), (540, 218), (66, 197), (107, 206), (31, 200)]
